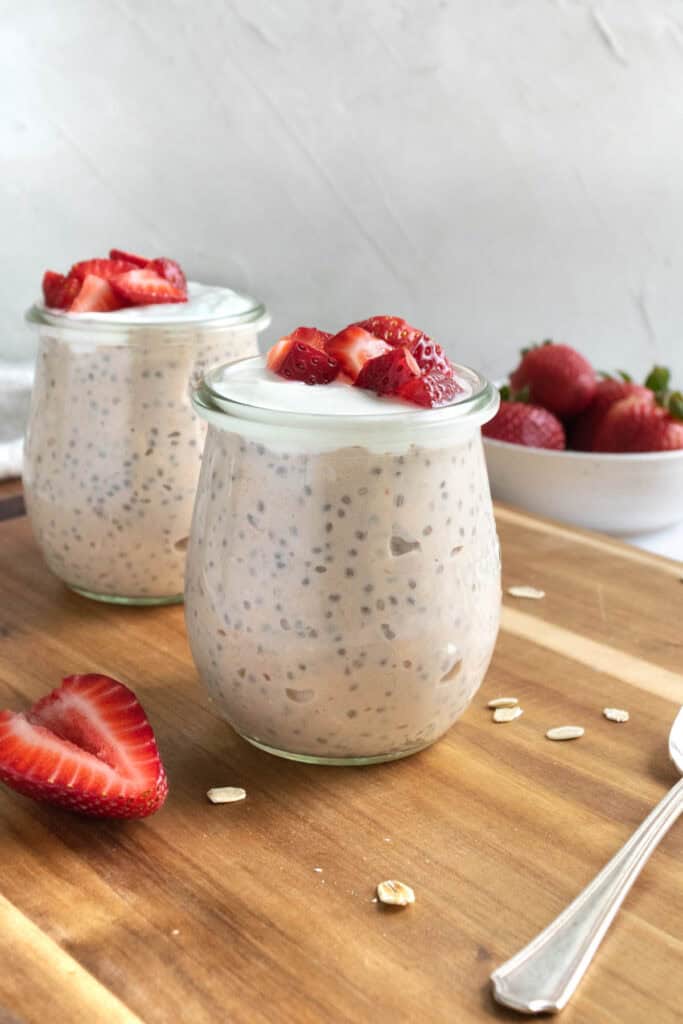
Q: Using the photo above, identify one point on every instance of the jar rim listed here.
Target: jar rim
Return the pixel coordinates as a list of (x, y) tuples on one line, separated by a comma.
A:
[(248, 312), (477, 407)]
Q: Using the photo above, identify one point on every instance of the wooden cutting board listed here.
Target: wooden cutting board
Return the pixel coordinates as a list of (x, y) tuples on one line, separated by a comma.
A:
[(210, 913)]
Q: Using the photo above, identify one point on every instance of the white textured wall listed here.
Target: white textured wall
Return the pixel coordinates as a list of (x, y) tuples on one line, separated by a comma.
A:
[(494, 171)]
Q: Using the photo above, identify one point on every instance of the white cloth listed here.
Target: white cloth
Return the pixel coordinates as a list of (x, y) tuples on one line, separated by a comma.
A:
[(16, 380)]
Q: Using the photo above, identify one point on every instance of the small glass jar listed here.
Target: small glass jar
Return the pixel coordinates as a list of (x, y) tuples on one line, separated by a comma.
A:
[(342, 592), (113, 446)]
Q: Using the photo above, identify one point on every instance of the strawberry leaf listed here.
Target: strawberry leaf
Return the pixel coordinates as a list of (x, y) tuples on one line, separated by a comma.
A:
[(658, 379), (626, 377), (505, 393), (675, 405)]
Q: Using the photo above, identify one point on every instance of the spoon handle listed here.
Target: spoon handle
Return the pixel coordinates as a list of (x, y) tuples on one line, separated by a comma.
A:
[(543, 976)]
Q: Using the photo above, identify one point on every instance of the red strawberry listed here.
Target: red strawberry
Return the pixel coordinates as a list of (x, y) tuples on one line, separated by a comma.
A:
[(392, 329), (430, 356), (171, 271), (311, 336), (636, 424), (530, 425), (129, 257), (88, 747), (144, 287), (557, 377), (431, 390), (353, 347), (295, 360), (106, 269), (387, 374), (582, 431), (95, 296), (59, 291)]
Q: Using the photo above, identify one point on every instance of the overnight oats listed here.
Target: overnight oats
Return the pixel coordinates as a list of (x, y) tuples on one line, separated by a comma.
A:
[(343, 579), (113, 446)]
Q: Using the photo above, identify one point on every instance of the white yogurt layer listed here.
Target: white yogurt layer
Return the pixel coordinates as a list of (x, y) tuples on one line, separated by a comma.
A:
[(251, 383), (204, 302)]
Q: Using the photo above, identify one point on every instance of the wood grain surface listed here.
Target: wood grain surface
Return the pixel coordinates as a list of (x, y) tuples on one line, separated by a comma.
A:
[(210, 913)]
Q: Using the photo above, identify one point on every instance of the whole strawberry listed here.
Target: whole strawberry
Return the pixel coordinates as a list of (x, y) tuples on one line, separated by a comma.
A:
[(581, 433), (637, 424), (556, 377), (528, 425)]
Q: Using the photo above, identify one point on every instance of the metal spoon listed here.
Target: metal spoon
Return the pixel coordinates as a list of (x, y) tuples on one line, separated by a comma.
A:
[(543, 976)]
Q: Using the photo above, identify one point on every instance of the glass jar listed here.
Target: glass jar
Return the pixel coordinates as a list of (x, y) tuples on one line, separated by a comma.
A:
[(113, 446), (342, 593)]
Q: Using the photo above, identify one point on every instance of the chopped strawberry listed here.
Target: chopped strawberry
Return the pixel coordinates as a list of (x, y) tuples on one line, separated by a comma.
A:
[(637, 424), (106, 269), (95, 296), (129, 257), (295, 360), (388, 373), (584, 428), (88, 747), (431, 390), (353, 347), (529, 425), (311, 336), (171, 271), (430, 356), (59, 291), (144, 287), (392, 329), (556, 377)]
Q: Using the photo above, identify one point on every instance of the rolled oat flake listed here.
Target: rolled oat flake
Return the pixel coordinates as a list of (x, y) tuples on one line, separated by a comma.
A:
[(398, 894), (507, 714), (565, 732), (616, 714), (226, 794)]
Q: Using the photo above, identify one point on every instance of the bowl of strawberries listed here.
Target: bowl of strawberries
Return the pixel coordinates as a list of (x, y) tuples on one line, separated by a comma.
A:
[(588, 448)]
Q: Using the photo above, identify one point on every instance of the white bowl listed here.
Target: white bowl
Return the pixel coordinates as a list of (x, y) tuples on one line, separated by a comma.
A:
[(618, 494)]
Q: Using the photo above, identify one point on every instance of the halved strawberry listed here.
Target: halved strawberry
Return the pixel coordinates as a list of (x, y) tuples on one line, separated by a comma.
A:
[(392, 329), (388, 373), (88, 747), (106, 269), (353, 347), (59, 291), (95, 296), (431, 390), (171, 271), (430, 356), (295, 360), (144, 287), (129, 257)]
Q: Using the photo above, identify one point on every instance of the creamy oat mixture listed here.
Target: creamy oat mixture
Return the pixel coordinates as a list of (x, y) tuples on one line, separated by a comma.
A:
[(342, 603), (113, 452)]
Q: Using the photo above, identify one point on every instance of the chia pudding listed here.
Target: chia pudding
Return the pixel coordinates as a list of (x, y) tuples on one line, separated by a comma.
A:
[(113, 446), (343, 579)]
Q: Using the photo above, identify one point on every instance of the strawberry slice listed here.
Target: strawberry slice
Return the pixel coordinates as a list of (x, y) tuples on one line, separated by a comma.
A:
[(392, 329), (430, 356), (170, 271), (95, 296), (144, 287), (129, 257), (353, 346), (387, 374), (106, 269), (88, 747), (431, 390), (59, 291), (295, 360)]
